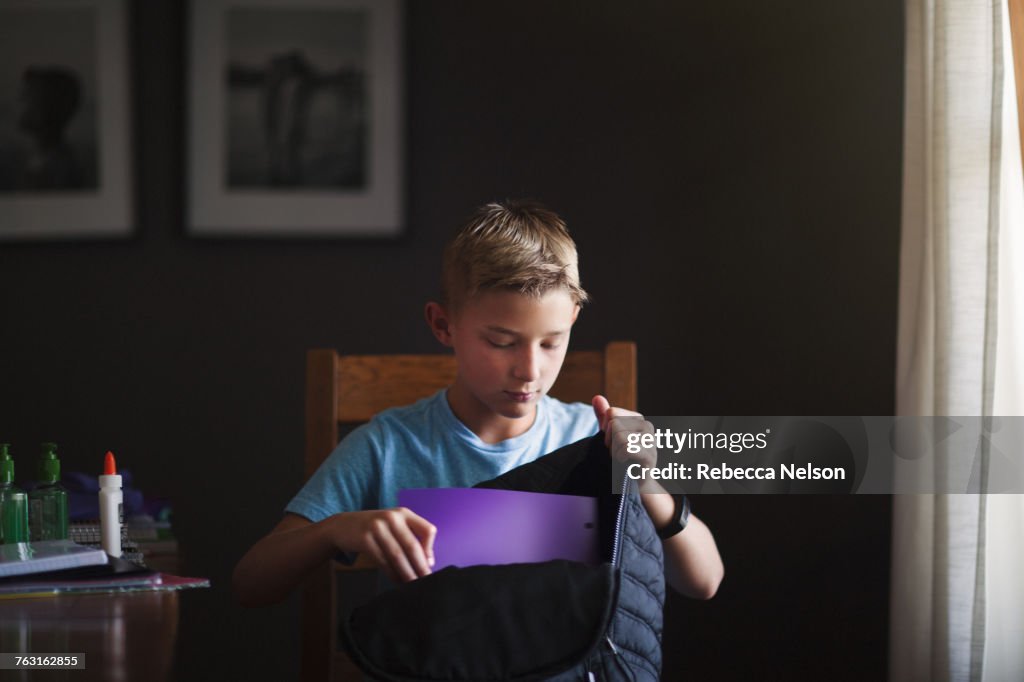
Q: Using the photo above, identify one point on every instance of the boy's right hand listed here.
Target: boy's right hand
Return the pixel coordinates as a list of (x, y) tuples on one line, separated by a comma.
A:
[(399, 540)]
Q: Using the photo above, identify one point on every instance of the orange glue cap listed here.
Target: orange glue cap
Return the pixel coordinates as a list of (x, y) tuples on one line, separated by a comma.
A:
[(109, 465)]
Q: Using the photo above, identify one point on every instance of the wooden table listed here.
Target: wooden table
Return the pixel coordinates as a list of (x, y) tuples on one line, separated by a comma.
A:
[(124, 636)]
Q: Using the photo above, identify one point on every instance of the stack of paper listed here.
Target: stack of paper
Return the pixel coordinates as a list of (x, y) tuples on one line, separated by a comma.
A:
[(23, 558), (60, 566)]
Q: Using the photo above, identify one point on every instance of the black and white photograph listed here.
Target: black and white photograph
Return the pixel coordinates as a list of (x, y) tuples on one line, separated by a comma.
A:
[(63, 145), (47, 100), (296, 102), (297, 132)]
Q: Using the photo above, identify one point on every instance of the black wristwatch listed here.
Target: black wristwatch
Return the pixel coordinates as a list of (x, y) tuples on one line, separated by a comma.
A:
[(680, 516)]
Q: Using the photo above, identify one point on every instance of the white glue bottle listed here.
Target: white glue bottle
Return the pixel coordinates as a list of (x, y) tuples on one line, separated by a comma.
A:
[(111, 507)]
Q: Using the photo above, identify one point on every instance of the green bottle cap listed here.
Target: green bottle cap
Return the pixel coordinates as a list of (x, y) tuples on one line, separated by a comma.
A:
[(6, 464), (49, 465)]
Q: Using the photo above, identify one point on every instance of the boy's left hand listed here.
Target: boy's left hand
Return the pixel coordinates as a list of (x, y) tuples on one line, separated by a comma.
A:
[(692, 563), (617, 423)]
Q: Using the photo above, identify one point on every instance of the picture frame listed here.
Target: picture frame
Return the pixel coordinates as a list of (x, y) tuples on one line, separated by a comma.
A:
[(65, 125), (295, 123)]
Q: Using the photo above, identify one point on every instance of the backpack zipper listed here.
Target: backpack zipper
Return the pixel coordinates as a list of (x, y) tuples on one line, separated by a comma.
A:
[(616, 546), (620, 662), (617, 538)]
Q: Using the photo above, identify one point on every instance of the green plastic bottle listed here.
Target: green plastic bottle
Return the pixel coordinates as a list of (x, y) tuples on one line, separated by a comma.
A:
[(13, 502), (48, 502)]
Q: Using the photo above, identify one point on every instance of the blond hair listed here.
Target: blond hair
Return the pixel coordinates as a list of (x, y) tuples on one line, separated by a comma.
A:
[(513, 246)]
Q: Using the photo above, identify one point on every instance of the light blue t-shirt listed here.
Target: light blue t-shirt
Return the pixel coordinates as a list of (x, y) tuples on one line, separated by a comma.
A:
[(424, 445)]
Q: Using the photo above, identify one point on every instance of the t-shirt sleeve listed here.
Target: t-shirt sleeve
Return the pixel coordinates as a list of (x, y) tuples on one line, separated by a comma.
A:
[(348, 480)]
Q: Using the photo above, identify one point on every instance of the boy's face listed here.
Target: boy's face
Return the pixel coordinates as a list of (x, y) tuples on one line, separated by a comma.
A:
[(509, 349)]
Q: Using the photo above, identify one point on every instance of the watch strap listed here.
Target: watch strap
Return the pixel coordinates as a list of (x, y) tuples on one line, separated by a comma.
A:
[(680, 517)]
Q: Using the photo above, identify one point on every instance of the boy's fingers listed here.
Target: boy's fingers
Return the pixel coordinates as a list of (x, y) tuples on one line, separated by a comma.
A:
[(616, 412), (409, 544), (621, 429), (394, 552), (375, 550), (608, 415), (396, 559), (425, 531), (601, 407)]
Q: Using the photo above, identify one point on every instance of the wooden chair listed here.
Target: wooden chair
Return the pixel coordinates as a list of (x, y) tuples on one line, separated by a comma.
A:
[(347, 390)]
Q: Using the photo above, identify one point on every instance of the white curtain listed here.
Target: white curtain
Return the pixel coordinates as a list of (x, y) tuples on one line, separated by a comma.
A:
[(957, 608)]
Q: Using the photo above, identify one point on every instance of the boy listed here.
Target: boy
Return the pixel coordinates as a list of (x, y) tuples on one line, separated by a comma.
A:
[(510, 295)]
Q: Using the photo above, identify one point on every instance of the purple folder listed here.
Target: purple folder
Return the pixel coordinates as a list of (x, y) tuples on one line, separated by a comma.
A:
[(484, 526)]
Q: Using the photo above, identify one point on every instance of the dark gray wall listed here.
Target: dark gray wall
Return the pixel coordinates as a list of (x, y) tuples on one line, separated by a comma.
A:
[(731, 173)]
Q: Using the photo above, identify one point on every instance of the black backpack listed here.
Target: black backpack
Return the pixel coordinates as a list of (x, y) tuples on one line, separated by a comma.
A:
[(555, 620)]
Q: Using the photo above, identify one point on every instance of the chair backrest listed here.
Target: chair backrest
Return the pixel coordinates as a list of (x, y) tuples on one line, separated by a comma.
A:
[(351, 389)]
